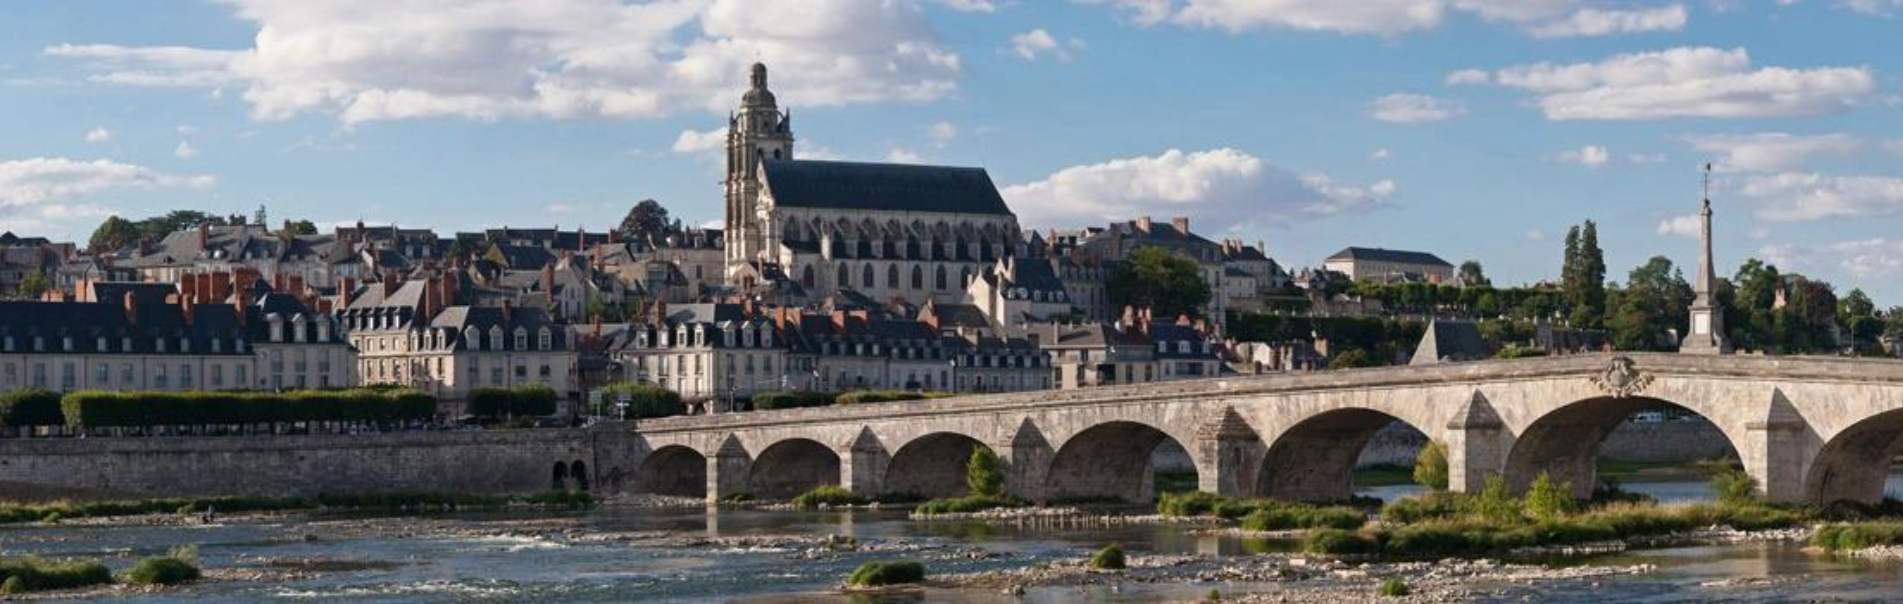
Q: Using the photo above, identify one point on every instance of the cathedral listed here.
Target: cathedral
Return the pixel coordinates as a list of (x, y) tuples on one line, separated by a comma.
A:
[(887, 231)]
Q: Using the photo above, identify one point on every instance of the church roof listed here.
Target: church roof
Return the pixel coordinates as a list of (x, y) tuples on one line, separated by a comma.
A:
[(890, 187)]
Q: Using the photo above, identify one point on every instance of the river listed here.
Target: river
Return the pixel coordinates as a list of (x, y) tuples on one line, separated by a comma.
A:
[(412, 561)]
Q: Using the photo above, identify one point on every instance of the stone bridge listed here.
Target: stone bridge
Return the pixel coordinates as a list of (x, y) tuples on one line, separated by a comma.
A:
[(1808, 429)]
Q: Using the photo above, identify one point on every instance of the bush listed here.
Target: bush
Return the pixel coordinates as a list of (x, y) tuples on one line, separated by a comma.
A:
[(1734, 486), (984, 473), (874, 574), (1190, 503), (1338, 541), (1430, 466), (1494, 502), (1300, 516), (522, 401), (644, 400), (827, 495), (1393, 587), (1548, 501), (965, 505), (180, 566), (878, 396), (95, 409), (1849, 537), (1408, 510), (21, 575), (30, 407), (790, 399), (1108, 558)]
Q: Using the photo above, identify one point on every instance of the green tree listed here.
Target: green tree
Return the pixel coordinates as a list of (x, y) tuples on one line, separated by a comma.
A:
[(648, 218), (1656, 299), (984, 473), (1167, 284), (33, 285), (1471, 274), (303, 227), (261, 217), (1350, 359), (1548, 501), (113, 234), (1586, 281), (1430, 466)]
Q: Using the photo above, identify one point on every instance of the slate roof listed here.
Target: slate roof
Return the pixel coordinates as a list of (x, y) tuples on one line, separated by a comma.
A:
[(456, 318), (1385, 255), (1450, 341), (891, 187), (86, 322)]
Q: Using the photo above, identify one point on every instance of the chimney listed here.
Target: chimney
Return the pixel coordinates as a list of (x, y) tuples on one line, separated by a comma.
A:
[(220, 288), (240, 302), (1182, 320), (548, 283), (187, 286), (204, 235), (448, 285), (389, 284), (132, 309), (839, 319), (613, 237), (660, 312), (185, 310), (431, 303), (1129, 316), (297, 285), (346, 288), (1143, 224), (508, 308), (1181, 223)]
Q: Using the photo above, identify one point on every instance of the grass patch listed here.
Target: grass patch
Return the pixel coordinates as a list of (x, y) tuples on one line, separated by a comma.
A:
[(1393, 587), (573, 500), (179, 566), (966, 505), (1856, 536), (22, 575), (1108, 558), (1176, 482), (875, 574), (1383, 475), (1339, 542), (1259, 514), (829, 495)]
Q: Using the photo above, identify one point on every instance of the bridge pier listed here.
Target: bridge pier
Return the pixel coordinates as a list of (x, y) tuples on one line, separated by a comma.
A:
[(1775, 452), (1477, 445), (1027, 458), (862, 467), (1229, 455), (727, 471)]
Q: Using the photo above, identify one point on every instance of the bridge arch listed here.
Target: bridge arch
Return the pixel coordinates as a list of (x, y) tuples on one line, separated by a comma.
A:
[(1564, 442), (1112, 460), (792, 466), (1854, 464), (1314, 459), (931, 465), (673, 470)]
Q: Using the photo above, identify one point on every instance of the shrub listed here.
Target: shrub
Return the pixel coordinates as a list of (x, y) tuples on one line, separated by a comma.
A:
[(1847, 537), (874, 574), (30, 407), (180, 566), (877, 396), (965, 505), (522, 401), (1409, 510), (984, 473), (1430, 466), (1734, 486), (93, 409), (1393, 587), (20, 575), (830, 495), (1108, 558), (1338, 541), (644, 400), (1190, 503), (1548, 501), (1294, 516), (790, 399), (1494, 502)]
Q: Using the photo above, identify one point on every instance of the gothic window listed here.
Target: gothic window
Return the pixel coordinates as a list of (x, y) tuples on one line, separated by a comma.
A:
[(892, 276), (845, 277), (964, 276), (939, 283), (776, 154), (866, 278), (806, 277), (918, 277)]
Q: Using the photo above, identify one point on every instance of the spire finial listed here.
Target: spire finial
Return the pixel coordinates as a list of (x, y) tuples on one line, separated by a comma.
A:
[(759, 76)]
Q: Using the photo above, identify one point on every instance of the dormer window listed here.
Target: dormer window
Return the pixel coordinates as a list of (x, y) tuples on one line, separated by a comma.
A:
[(66, 343), (495, 337), (100, 344), (471, 339), (521, 339), (39, 344), (543, 339), (125, 344)]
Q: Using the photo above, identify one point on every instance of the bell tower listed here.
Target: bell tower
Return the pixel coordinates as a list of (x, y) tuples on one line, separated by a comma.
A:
[(758, 133), (1707, 334)]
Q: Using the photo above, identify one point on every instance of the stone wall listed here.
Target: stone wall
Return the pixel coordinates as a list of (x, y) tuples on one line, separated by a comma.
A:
[(478, 462)]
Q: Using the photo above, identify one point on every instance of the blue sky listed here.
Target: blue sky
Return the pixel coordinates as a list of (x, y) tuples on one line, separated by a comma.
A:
[(1474, 129)]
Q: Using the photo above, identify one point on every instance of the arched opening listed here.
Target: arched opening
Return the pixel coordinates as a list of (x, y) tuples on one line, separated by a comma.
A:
[(1117, 460), (1855, 464), (559, 481), (673, 470), (807, 278), (931, 466), (1316, 459), (1654, 443), (791, 467), (579, 471)]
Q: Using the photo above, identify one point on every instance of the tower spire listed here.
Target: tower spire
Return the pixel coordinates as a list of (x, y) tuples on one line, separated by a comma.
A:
[(1706, 335)]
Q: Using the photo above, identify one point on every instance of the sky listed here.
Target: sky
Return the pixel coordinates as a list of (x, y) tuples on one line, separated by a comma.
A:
[(1472, 129)]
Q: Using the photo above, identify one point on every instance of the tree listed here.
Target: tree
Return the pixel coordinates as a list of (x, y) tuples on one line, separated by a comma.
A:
[(1656, 300), (984, 473), (1167, 284), (1586, 290), (1546, 500), (33, 285), (1470, 274), (646, 219), (1430, 466), (260, 217), (302, 227), (113, 234), (1350, 359)]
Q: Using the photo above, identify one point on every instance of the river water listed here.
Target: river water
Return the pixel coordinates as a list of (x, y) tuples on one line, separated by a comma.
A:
[(393, 564)]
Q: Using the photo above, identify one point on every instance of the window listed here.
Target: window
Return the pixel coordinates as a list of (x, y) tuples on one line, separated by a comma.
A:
[(892, 276), (546, 373), (125, 375), (67, 378), (158, 376), (939, 281), (102, 375), (521, 339), (845, 276), (495, 337), (185, 376), (471, 339), (918, 277), (217, 376), (542, 339), (521, 372), (866, 277)]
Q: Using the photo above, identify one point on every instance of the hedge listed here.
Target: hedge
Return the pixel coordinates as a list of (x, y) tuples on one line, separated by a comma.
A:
[(525, 401), (30, 407), (644, 400), (96, 409), (881, 396), (790, 399)]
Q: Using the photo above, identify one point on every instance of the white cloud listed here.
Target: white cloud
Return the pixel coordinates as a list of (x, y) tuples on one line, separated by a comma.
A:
[(1596, 22), (1380, 154), (1037, 43), (1806, 196), (184, 150), (1591, 156), (942, 132), (1684, 82), (1646, 158), (1539, 18), (691, 141), (1404, 108), (187, 129), (1864, 259), (1224, 187), (492, 59), (970, 6), (1689, 225), (1879, 8), (901, 155), (1769, 151), (98, 135), (1468, 76), (1534, 235), (57, 180)]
